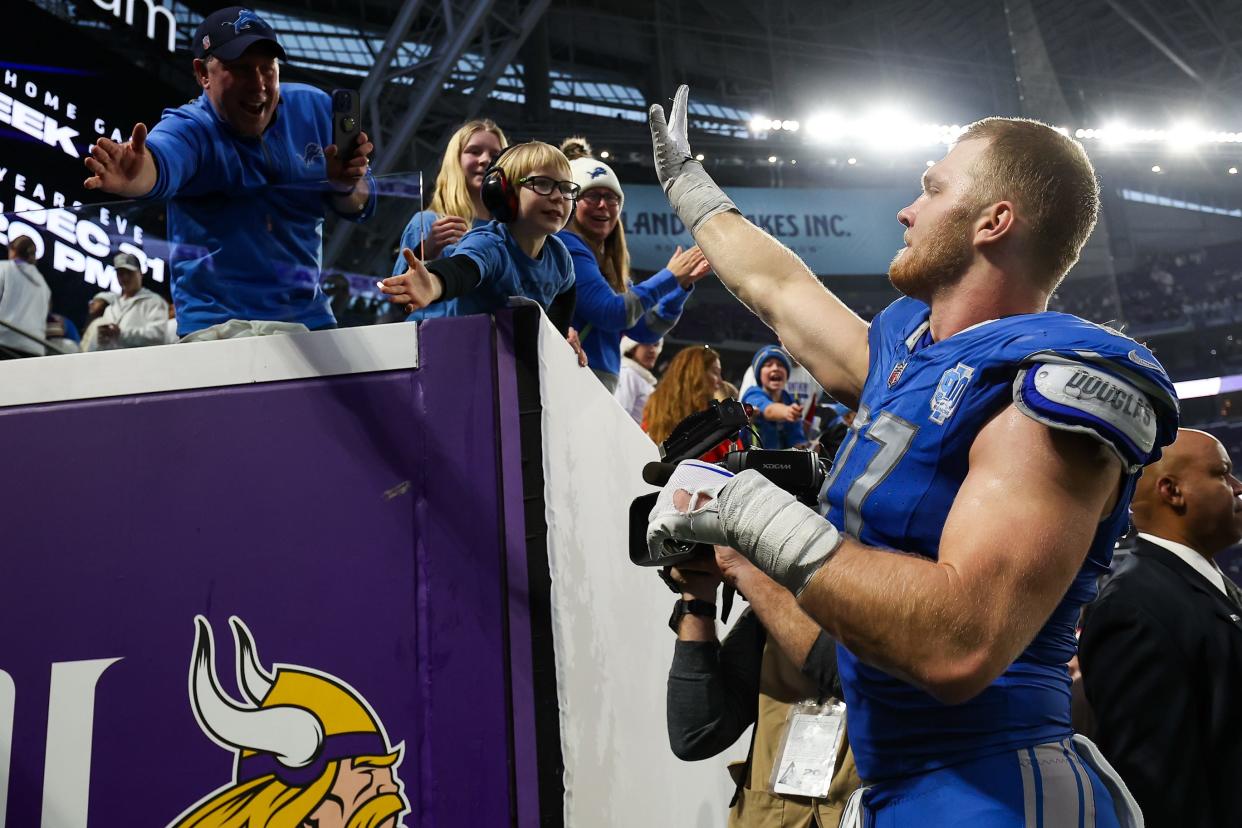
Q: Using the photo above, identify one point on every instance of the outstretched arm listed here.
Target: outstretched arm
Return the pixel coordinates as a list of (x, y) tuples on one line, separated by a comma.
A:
[(816, 327), (952, 625)]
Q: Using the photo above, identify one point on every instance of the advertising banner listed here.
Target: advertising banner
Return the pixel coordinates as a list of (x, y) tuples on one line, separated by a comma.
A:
[(836, 232)]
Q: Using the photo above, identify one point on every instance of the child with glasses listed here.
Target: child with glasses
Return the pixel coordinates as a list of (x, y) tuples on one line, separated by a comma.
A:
[(610, 306), (531, 197)]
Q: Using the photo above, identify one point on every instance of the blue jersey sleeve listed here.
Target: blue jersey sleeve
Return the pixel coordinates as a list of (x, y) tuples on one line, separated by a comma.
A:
[(757, 397), (486, 248), (182, 154), (416, 229), (565, 265), (1088, 398), (599, 305), (1104, 385), (368, 208)]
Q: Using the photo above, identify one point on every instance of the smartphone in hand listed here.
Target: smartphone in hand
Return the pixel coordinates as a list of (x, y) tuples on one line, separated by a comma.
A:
[(346, 122)]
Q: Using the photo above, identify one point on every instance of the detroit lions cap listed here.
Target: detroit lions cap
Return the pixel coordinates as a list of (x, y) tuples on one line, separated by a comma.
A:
[(229, 32)]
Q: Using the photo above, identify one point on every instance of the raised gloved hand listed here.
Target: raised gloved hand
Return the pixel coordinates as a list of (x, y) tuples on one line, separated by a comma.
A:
[(688, 187)]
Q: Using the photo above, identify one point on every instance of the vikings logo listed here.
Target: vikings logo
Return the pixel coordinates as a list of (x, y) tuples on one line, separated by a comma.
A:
[(308, 749)]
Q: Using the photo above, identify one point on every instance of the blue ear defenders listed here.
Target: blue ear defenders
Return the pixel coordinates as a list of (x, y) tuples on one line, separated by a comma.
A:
[(499, 195)]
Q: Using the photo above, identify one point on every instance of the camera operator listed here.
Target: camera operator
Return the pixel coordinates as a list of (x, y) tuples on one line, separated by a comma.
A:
[(774, 659)]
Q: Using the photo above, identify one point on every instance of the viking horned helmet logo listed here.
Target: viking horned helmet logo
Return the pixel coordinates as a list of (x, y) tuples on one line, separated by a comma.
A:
[(307, 747)]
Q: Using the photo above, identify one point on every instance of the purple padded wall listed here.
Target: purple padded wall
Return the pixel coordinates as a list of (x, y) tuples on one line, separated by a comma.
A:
[(354, 523)]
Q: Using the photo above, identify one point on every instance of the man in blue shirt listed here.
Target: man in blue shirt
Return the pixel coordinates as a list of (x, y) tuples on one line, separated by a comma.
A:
[(977, 498), (248, 169)]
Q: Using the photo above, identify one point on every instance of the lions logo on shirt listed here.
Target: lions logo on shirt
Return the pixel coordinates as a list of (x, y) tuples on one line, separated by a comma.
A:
[(949, 392), (312, 153)]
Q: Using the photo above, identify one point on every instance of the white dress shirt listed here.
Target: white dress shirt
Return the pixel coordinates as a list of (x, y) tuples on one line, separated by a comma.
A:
[(1208, 569)]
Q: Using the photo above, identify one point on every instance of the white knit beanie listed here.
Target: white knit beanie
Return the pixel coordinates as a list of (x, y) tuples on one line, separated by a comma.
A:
[(590, 173), (628, 345)]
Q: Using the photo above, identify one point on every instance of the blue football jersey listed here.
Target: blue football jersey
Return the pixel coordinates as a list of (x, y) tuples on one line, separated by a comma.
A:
[(896, 476)]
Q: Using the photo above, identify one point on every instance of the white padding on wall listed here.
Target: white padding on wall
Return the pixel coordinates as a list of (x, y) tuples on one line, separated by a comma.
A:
[(610, 618)]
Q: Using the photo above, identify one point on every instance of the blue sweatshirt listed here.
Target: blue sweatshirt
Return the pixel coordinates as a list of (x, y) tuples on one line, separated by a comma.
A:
[(504, 271), (245, 215), (644, 313), (419, 228)]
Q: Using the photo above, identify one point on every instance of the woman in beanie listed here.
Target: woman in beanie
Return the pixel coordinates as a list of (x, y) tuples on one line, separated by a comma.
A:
[(637, 381), (456, 207), (609, 304)]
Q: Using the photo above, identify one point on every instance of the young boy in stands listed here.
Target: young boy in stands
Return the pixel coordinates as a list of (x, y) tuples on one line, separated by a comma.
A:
[(530, 195), (778, 417)]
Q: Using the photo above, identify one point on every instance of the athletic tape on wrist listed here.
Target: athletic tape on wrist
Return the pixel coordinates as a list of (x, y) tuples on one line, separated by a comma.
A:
[(695, 196), (786, 539)]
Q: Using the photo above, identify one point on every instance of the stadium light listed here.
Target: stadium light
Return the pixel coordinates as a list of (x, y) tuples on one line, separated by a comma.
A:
[(699, 157), (825, 128), (605, 155), (1115, 135), (1156, 169), (1233, 170), (851, 161), (1185, 136)]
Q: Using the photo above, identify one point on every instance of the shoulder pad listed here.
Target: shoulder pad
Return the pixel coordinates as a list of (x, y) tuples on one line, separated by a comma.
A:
[(1087, 399)]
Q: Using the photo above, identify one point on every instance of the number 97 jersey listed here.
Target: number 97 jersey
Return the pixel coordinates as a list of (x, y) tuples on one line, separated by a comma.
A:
[(897, 473)]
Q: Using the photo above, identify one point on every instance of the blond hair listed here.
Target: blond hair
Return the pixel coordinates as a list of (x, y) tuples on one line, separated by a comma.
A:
[(614, 258), (269, 803), (1049, 178), (524, 159), (452, 195), (681, 391)]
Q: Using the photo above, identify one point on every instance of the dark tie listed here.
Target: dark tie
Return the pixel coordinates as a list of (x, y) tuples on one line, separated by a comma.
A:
[(1235, 594)]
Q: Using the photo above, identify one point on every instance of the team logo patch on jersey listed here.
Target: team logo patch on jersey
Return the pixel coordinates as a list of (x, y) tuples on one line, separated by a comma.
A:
[(949, 392), (312, 153)]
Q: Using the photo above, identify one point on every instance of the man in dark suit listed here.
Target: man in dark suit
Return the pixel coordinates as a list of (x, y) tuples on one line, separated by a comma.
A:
[(1161, 647)]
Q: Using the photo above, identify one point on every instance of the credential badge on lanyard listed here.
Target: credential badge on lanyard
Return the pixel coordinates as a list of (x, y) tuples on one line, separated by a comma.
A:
[(807, 758)]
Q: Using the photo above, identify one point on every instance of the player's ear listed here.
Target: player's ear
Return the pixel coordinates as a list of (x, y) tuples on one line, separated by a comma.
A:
[(995, 222)]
